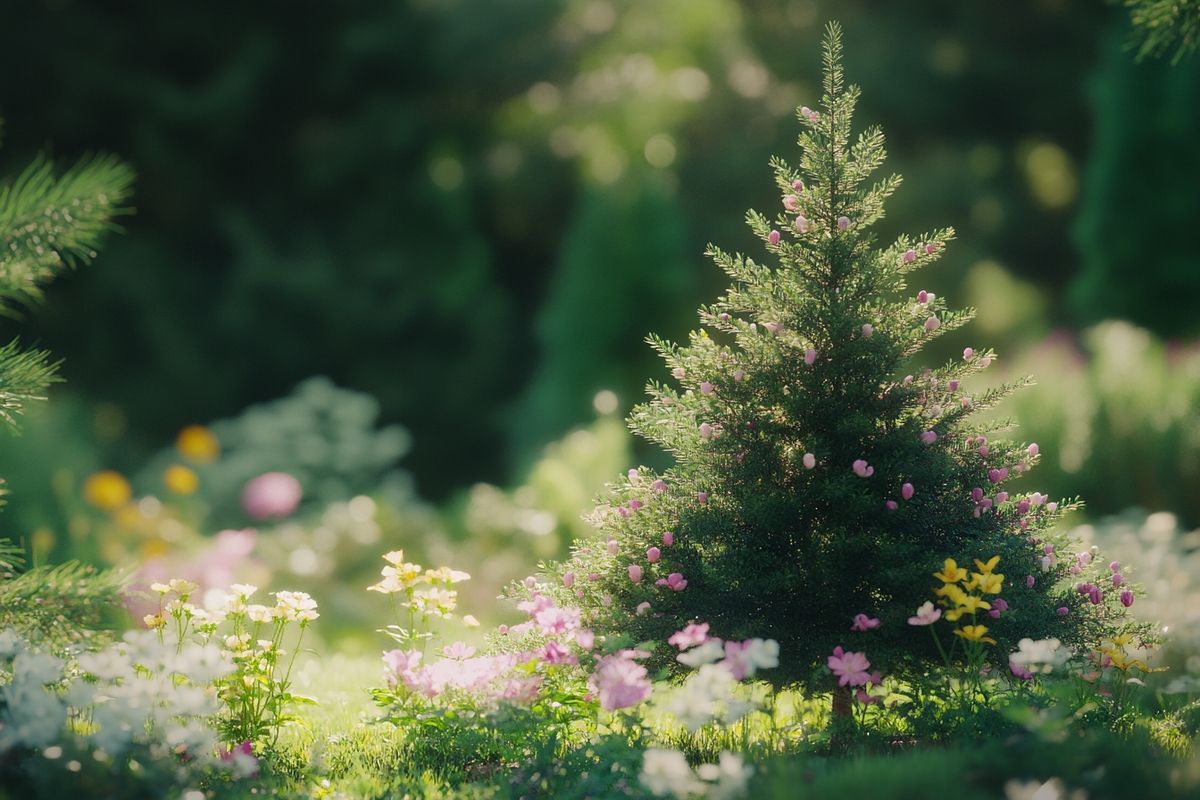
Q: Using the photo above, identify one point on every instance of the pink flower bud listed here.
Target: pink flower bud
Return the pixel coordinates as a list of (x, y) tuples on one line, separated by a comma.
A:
[(798, 185), (932, 324), (642, 608), (994, 476), (635, 504), (1033, 449), (706, 430), (530, 582), (1047, 549), (867, 330), (773, 237), (906, 491), (678, 373), (1063, 611), (809, 460), (659, 486), (706, 388), (739, 375), (810, 356), (1127, 598), (891, 505), (668, 539), (653, 554), (1029, 581), (568, 579), (985, 362), (635, 573), (922, 296), (953, 386), (1117, 580), (1001, 497), (930, 248), (908, 379), (593, 576), (977, 494), (983, 451), (801, 224), (502, 630), (612, 547), (928, 437), (791, 202), (1114, 566), (968, 353), (1051, 507), (843, 223), (910, 256), (702, 497), (862, 469)]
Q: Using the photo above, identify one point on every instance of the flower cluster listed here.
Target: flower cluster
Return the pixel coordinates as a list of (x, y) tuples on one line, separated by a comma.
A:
[(962, 595), (666, 773)]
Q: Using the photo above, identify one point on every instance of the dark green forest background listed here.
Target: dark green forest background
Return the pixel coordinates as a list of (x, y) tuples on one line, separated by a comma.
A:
[(476, 210)]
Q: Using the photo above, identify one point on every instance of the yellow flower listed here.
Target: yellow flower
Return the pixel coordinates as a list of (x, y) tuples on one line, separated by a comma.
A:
[(955, 593), (107, 490), (180, 480), (951, 573), (968, 604), (974, 633), (987, 568), (986, 582), (196, 443), (1122, 639)]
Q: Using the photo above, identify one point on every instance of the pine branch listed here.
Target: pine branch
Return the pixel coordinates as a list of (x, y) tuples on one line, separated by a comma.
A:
[(24, 376), (48, 223)]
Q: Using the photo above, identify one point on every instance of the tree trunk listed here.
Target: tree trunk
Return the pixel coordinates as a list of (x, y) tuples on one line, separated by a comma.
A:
[(843, 702)]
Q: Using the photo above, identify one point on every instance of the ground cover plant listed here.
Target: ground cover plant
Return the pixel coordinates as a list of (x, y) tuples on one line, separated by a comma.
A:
[(839, 589)]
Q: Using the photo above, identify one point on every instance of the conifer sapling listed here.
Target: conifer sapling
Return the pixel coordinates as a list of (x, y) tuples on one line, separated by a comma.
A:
[(822, 473)]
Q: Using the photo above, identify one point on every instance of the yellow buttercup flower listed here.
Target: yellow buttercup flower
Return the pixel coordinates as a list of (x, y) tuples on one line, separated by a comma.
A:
[(951, 572), (180, 480), (107, 490), (974, 633), (986, 582), (987, 568), (198, 444)]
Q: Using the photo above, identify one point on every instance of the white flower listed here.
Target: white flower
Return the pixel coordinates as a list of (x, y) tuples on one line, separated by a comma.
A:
[(258, 613), (666, 773), (760, 654), (706, 695), (1043, 655), (728, 777), (293, 606), (707, 653)]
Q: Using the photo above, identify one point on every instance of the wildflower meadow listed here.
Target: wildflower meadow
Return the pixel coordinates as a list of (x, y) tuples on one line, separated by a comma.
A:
[(816, 561)]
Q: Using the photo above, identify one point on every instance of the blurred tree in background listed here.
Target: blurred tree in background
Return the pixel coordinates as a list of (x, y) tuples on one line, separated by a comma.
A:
[(462, 208)]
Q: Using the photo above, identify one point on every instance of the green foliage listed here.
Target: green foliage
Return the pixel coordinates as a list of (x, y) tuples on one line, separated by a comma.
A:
[(57, 606), (774, 532), (1164, 25)]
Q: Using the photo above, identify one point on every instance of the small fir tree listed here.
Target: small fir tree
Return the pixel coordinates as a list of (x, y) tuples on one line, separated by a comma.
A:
[(50, 222), (820, 471)]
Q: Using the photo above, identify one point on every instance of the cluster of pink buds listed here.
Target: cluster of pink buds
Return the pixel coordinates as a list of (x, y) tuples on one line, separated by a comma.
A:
[(809, 114)]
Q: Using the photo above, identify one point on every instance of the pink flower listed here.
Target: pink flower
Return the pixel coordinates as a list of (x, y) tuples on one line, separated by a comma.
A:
[(810, 356), (868, 330), (653, 554), (906, 491), (891, 505), (676, 582), (400, 666), (773, 237), (931, 248), (635, 573), (642, 608), (1033, 449), (619, 681), (932, 324), (843, 223), (1117, 580), (791, 202), (999, 606), (953, 386), (668, 539), (927, 614), (968, 353), (702, 497), (568, 579), (659, 486), (928, 437), (1029, 581), (706, 388), (679, 373), (612, 547), (801, 224), (850, 668), (798, 185), (864, 623), (739, 375), (273, 495), (555, 653), (706, 430), (1063, 611), (985, 362), (809, 460), (458, 650), (690, 636), (862, 469), (1114, 566), (1020, 671), (910, 256), (1127, 598), (585, 638), (922, 296)]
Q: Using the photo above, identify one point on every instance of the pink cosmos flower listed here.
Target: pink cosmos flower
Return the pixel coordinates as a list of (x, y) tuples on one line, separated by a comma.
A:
[(864, 623), (458, 650), (400, 666), (676, 582), (272, 495), (690, 636), (555, 653), (927, 614), (619, 681), (850, 668)]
